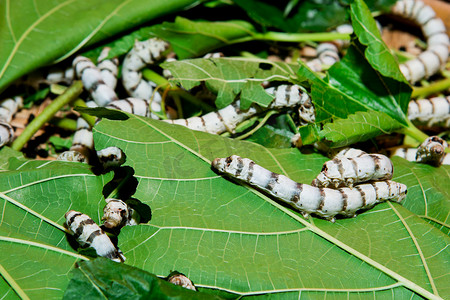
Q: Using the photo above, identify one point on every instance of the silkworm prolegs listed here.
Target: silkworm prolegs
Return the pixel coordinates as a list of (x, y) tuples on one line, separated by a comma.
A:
[(307, 199)]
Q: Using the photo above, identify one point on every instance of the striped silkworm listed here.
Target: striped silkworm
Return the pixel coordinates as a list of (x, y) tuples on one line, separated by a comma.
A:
[(227, 118), (435, 56), (346, 152), (89, 234), (430, 112), (180, 279), (117, 214), (109, 68), (143, 53), (8, 107), (410, 155), (93, 81), (324, 202), (327, 55), (345, 171), (107, 158), (432, 151)]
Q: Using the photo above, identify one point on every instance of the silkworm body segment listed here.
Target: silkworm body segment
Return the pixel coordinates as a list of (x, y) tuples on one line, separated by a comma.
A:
[(307, 199), (345, 171)]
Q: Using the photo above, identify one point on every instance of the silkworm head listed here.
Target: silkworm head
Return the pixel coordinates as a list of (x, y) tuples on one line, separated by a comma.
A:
[(69, 214), (115, 213), (219, 164), (402, 191)]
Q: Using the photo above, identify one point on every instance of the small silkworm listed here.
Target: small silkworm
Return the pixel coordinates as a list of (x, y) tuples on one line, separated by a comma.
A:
[(227, 118), (181, 280), (430, 112), (117, 214), (432, 151), (107, 158), (8, 107), (346, 152), (307, 199), (349, 171), (89, 234), (135, 106), (435, 56), (92, 80)]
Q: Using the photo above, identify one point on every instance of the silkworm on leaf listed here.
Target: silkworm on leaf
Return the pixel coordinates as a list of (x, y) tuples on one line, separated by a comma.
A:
[(432, 151), (110, 157), (117, 214), (180, 279), (410, 155), (430, 112), (89, 234), (345, 171), (8, 107), (227, 118), (346, 152), (324, 202), (109, 68)]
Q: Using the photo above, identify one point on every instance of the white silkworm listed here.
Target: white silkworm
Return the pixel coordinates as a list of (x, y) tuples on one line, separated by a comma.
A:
[(111, 157), (435, 56), (89, 234), (142, 54), (109, 68), (346, 152), (227, 118), (307, 199), (92, 80), (135, 106), (8, 107), (327, 55), (349, 171), (117, 214), (432, 151), (430, 112), (181, 280)]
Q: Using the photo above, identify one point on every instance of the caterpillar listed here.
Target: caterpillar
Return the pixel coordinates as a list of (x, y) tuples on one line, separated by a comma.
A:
[(347, 152), (345, 171), (410, 155), (107, 158), (307, 199), (109, 68), (435, 56), (430, 112), (180, 279), (117, 214), (8, 107), (142, 54), (432, 151), (89, 234), (93, 81), (227, 118)]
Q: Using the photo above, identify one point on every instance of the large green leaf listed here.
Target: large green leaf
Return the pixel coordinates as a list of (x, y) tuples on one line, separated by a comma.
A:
[(228, 77), (36, 256), (230, 237), (37, 32)]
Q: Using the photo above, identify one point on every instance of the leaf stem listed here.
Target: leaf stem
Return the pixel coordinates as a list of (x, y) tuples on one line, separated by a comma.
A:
[(261, 123), (69, 95), (413, 132), (88, 118), (64, 123), (434, 88), (294, 37)]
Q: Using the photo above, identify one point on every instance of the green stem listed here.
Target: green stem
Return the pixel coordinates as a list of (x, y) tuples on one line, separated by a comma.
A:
[(152, 76), (434, 88), (263, 121), (294, 37), (88, 118), (413, 132), (64, 123), (69, 95)]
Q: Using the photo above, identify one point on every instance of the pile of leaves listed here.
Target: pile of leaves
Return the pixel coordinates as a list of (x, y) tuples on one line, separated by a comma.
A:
[(230, 240)]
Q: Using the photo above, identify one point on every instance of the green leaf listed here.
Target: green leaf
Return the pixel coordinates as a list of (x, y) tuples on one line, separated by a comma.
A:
[(57, 29), (229, 77), (36, 256), (353, 85), (377, 53), (228, 236), (105, 279), (358, 127)]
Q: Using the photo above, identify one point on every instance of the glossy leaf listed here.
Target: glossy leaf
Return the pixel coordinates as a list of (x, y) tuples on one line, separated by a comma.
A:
[(104, 279), (229, 77), (358, 127), (227, 236), (53, 30)]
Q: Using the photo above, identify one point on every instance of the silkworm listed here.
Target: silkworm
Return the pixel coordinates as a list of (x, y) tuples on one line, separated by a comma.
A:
[(93, 81), (431, 151), (181, 280), (346, 152), (430, 112), (107, 158), (89, 234), (435, 56), (410, 155), (117, 214), (142, 54), (8, 107), (227, 118), (324, 202), (349, 171), (135, 106), (327, 55), (108, 68)]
